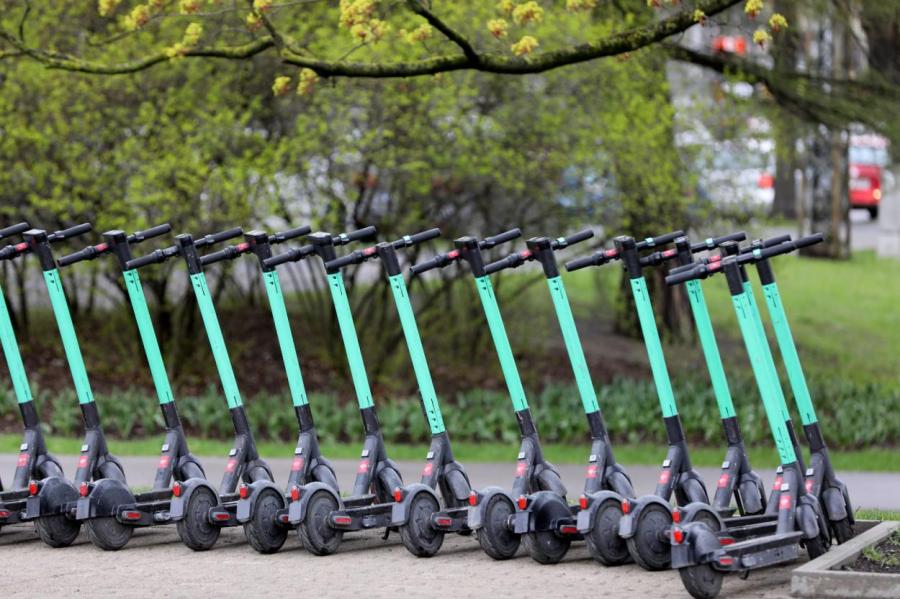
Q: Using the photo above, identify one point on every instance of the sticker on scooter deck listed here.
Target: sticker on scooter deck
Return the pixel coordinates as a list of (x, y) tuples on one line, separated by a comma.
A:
[(501, 343), (148, 336), (67, 332), (351, 341), (285, 339), (216, 340), (654, 347), (13, 358)]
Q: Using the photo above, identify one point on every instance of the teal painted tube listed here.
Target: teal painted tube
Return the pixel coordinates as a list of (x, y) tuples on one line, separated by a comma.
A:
[(758, 361), (654, 347), (216, 341), (501, 343), (573, 345), (69, 339), (773, 378), (13, 358), (417, 354), (285, 339), (710, 349), (789, 354), (351, 341), (148, 336)]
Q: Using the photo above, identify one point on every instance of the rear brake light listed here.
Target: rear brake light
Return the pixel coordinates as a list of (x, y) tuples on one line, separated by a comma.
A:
[(473, 498), (443, 521), (221, 516), (626, 506), (244, 491), (131, 515), (83, 489), (398, 494), (4, 514), (583, 502), (726, 540), (177, 489), (295, 493), (676, 515), (677, 535), (726, 560), (33, 487), (568, 529), (342, 520), (522, 502)]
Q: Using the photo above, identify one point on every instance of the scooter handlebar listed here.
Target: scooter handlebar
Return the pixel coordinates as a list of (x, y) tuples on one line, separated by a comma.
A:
[(139, 236), (489, 242), (714, 242), (359, 234), (439, 261), (219, 237), (411, 240), (229, 253), (660, 240), (70, 232), (512, 261), (14, 229), (564, 242), (289, 234)]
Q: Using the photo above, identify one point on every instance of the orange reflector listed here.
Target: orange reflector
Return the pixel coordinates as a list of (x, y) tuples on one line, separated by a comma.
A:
[(83, 490), (583, 502), (131, 515), (568, 529), (677, 535), (221, 516), (342, 520), (33, 487), (523, 502), (443, 521), (626, 506), (398, 494), (295, 493), (473, 498), (177, 489), (244, 491), (676, 515), (726, 560), (5, 514)]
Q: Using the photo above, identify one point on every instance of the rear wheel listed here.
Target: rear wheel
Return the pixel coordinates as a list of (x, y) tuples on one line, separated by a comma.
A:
[(195, 529), (264, 533), (815, 547), (108, 533), (315, 533), (603, 540), (57, 530), (701, 581), (494, 536), (546, 547), (418, 535), (648, 546), (842, 529)]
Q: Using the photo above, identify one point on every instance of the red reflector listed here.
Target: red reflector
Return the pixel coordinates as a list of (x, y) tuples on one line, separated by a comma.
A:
[(242, 247), (473, 498), (83, 490), (523, 502), (21, 247), (177, 489), (784, 502), (669, 253), (677, 536), (244, 491), (626, 506), (726, 540), (443, 521), (398, 494), (676, 515), (221, 516), (568, 529), (723, 480), (284, 518), (101, 248), (131, 515), (664, 477), (809, 485), (776, 486), (33, 487), (295, 493), (611, 253), (453, 255), (583, 502), (370, 251), (726, 560), (5, 514), (342, 520)]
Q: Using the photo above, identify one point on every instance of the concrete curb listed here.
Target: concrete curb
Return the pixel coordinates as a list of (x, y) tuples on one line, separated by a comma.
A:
[(821, 578)]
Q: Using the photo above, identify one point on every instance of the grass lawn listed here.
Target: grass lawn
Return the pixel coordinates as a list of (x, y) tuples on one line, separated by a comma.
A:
[(762, 458)]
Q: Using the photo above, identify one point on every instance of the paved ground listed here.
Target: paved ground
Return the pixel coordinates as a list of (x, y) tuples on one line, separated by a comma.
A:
[(156, 563)]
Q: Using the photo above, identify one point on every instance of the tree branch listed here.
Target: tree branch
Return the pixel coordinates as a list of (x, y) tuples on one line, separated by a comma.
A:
[(468, 50)]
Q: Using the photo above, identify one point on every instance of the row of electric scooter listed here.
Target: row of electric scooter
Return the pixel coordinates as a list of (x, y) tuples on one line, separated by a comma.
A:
[(736, 529)]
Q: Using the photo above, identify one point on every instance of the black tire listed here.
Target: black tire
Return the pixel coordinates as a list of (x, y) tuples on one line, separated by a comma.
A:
[(317, 536), (494, 536), (647, 547), (57, 530), (195, 529), (108, 533), (546, 547), (603, 540), (263, 531), (843, 530), (815, 547), (418, 535), (708, 518), (701, 581)]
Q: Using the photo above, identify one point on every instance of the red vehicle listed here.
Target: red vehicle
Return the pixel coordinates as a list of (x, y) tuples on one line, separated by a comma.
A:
[(868, 155)]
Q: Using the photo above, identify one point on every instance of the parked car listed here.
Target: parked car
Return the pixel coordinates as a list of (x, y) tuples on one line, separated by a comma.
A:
[(868, 157)]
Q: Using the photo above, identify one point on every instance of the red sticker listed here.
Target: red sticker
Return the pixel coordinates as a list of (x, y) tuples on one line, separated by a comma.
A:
[(777, 485), (428, 469), (784, 502), (363, 467), (83, 461), (163, 462), (592, 471), (664, 477), (520, 469), (23, 460), (297, 466), (809, 485), (723, 480), (231, 465)]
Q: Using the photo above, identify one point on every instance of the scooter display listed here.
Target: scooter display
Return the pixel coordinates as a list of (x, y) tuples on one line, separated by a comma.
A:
[(34, 462), (108, 507), (545, 514)]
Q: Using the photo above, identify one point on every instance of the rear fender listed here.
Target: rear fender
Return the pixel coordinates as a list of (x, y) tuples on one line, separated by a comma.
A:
[(400, 510), (807, 516), (104, 499), (178, 505), (53, 494), (476, 515), (586, 518), (700, 546), (246, 508), (834, 502), (628, 525), (297, 509), (691, 511)]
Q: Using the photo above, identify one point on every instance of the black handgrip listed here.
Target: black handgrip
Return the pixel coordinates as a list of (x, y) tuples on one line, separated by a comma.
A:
[(767, 243), (290, 234), (228, 253), (214, 238), (579, 263), (14, 229), (292, 255), (565, 242), (809, 240), (697, 271), (712, 243), (436, 262), (139, 236), (154, 257), (511, 261), (787, 247), (489, 242), (661, 240), (352, 258), (410, 240), (88, 253), (70, 232), (345, 238)]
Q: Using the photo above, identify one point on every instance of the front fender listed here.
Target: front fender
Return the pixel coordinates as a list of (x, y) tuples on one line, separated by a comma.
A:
[(807, 516), (586, 518), (700, 546), (834, 503), (476, 512), (297, 509), (246, 508), (400, 510), (628, 525), (178, 505)]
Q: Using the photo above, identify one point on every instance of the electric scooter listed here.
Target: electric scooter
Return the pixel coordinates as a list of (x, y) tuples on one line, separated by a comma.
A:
[(34, 461), (263, 499), (492, 510), (109, 508), (320, 513), (703, 556), (646, 520), (420, 517), (200, 511), (606, 482), (53, 501)]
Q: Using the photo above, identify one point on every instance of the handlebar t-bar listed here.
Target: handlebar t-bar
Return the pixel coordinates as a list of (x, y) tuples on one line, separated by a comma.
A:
[(660, 240), (70, 232), (489, 242), (14, 229)]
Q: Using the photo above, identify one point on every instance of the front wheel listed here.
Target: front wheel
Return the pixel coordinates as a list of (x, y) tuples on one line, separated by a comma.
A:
[(649, 547), (108, 533), (494, 536), (603, 540), (195, 529), (418, 535), (815, 547), (702, 581), (263, 531), (842, 530), (57, 530), (315, 533)]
